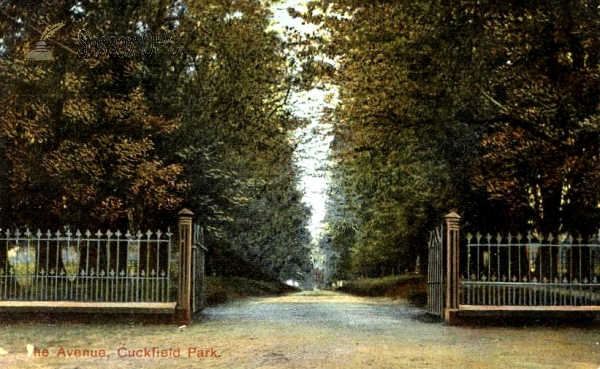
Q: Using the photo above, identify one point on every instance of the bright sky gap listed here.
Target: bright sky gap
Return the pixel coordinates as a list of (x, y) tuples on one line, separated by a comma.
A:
[(313, 148)]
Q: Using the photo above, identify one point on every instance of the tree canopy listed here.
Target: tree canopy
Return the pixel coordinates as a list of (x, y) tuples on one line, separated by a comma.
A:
[(483, 108), (149, 107), (487, 109)]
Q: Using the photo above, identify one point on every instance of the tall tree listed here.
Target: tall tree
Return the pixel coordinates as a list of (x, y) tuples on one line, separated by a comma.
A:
[(484, 108), (78, 135), (234, 141), (189, 113)]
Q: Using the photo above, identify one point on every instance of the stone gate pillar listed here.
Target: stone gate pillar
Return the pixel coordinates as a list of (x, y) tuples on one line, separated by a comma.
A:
[(452, 266), (184, 302)]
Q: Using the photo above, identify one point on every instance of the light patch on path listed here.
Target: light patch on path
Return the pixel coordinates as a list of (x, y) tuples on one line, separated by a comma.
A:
[(326, 297)]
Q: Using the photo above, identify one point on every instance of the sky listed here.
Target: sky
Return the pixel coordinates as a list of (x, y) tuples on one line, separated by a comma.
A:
[(313, 149)]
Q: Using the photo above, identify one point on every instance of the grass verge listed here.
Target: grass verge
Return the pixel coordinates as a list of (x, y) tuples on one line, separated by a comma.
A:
[(412, 288), (220, 290)]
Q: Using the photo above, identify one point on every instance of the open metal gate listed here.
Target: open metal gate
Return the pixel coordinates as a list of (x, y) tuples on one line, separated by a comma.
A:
[(435, 275), (198, 266)]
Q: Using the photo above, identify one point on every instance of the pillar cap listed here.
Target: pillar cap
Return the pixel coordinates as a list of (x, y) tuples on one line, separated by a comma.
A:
[(186, 213), (452, 215)]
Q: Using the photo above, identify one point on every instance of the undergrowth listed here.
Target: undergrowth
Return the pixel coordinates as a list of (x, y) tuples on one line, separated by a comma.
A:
[(220, 290), (410, 287)]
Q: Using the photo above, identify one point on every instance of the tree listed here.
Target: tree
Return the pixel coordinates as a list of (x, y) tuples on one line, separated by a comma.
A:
[(192, 116), (546, 98), (78, 135), (234, 141), (484, 108)]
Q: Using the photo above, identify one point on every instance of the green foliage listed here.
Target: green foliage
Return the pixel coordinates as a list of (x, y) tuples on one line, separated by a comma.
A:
[(78, 134), (125, 142), (235, 143), (410, 287), (220, 290), (389, 177), (486, 109)]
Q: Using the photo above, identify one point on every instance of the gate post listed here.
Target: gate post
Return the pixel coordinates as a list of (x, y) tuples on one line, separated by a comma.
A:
[(452, 267), (184, 303)]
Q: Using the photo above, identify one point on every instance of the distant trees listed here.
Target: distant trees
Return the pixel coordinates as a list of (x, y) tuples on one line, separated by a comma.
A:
[(125, 141), (484, 108)]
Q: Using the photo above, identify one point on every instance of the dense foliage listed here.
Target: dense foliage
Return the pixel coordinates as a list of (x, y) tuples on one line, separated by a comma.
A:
[(488, 109), (122, 131), (484, 108)]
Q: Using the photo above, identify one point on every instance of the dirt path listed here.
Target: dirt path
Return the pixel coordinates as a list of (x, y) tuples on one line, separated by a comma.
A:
[(304, 330)]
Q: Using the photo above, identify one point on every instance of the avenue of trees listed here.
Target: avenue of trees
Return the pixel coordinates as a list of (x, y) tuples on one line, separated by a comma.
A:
[(122, 132), (486, 108)]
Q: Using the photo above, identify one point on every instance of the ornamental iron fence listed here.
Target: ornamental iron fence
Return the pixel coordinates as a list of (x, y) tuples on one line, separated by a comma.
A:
[(151, 272), (102, 267), (530, 270), (511, 275)]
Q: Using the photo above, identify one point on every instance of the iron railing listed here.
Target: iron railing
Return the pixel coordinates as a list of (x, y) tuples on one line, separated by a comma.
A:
[(530, 271), (100, 267)]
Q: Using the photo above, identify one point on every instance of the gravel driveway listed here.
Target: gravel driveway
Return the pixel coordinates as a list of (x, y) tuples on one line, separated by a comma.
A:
[(333, 330), (319, 308), (308, 330)]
